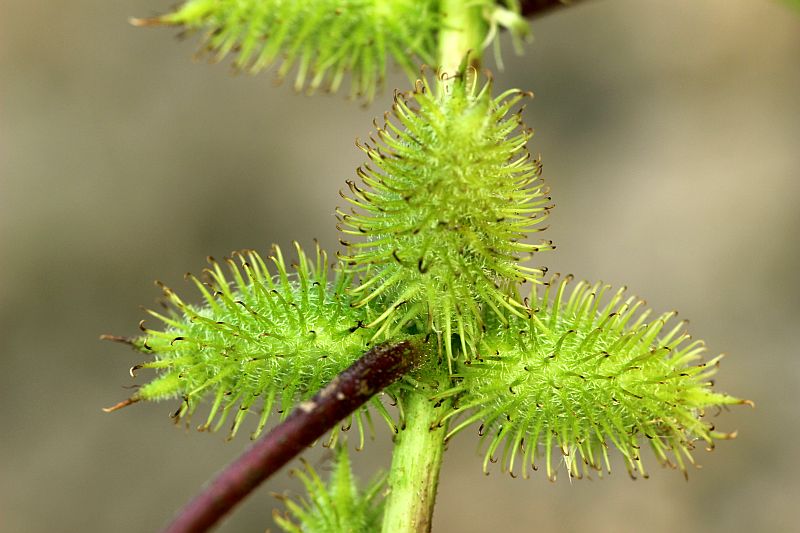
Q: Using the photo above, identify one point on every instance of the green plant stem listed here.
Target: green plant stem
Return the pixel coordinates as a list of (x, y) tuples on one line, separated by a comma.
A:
[(463, 32), (414, 477), (419, 446)]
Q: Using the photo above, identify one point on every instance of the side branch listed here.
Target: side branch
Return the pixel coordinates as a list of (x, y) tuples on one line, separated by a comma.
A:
[(374, 371), (535, 8)]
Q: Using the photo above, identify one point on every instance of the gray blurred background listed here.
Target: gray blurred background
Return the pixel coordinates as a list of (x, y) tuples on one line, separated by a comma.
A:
[(669, 131)]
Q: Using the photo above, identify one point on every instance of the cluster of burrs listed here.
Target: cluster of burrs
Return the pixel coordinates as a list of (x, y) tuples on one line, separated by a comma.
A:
[(436, 252)]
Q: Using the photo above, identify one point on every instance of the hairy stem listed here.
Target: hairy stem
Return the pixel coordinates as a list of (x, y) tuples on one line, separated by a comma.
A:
[(374, 371), (534, 8), (464, 29), (414, 477)]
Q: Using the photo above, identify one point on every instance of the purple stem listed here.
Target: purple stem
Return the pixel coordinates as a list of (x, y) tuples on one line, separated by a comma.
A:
[(534, 8), (378, 368)]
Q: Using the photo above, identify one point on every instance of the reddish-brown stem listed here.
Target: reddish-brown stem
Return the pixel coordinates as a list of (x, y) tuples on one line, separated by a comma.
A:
[(534, 8), (375, 370)]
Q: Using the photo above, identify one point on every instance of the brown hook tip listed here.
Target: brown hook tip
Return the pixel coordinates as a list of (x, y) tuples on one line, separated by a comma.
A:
[(117, 338), (120, 405), (149, 22)]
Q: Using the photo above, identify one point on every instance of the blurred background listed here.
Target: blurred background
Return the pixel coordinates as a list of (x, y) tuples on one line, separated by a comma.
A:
[(670, 133)]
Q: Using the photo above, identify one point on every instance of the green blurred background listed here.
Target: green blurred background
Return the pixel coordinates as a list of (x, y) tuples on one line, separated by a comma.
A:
[(670, 136)]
